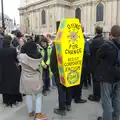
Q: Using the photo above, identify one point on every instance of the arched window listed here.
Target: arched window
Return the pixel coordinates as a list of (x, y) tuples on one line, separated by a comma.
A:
[(78, 13), (99, 12), (43, 17)]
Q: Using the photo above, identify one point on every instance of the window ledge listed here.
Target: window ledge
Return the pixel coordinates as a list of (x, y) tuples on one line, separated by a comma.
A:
[(44, 25), (100, 23)]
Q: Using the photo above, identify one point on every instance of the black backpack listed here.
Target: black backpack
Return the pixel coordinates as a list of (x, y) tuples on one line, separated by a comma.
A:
[(117, 62)]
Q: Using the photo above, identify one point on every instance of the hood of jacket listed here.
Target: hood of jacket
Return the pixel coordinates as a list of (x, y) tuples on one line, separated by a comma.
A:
[(98, 35), (117, 43), (31, 62)]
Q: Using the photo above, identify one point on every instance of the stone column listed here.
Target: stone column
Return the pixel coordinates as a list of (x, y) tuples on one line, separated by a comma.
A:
[(108, 15), (32, 21), (93, 18), (114, 12), (88, 18), (118, 12), (85, 17), (21, 23)]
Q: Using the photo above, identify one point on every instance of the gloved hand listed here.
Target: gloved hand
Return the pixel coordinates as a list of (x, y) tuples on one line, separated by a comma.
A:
[(48, 63), (51, 75), (44, 65)]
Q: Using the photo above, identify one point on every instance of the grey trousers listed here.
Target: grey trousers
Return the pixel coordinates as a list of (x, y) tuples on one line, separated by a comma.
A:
[(110, 96)]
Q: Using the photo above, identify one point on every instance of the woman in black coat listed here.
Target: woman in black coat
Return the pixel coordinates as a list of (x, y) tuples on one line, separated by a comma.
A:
[(10, 74)]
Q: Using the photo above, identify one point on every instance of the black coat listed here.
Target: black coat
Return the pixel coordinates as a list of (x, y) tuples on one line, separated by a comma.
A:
[(54, 63), (9, 72), (94, 46), (106, 58)]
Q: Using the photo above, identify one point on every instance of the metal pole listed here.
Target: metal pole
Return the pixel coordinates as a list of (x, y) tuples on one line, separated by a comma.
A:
[(2, 9)]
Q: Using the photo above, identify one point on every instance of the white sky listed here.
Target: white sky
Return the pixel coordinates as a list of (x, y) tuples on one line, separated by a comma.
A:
[(11, 9)]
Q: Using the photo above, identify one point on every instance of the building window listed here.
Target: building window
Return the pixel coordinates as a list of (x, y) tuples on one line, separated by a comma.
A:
[(78, 13), (99, 12), (43, 17)]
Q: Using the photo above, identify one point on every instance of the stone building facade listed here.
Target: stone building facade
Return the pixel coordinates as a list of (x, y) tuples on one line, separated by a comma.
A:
[(38, 16), (8, 23)]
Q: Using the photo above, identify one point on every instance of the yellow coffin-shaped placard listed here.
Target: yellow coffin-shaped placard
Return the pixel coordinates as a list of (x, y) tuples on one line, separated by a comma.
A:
[(69, 45)]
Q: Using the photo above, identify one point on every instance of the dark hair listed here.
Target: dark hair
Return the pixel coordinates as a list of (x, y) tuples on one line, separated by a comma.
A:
[(29, 39), (13, 32), (37, 38), (115, 31), (98, 30), (7, 41), (17, 33), (43, 38), (15, 42)]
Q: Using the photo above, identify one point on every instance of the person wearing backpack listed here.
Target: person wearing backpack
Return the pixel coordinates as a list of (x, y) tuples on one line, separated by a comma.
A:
[(86, 58), (97, 41), (77, 90), (108, 73)]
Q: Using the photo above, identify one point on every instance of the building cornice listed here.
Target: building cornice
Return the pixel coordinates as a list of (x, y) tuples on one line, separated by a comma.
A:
[(32, 4), (89, 2), (45, 3), (68, 3), (86, 2), (35, 10)]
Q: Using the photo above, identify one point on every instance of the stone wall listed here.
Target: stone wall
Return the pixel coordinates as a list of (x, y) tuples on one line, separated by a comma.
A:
[(58, 9)]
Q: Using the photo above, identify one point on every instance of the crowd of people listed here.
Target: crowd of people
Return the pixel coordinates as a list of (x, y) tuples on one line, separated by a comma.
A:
[(29, 67)]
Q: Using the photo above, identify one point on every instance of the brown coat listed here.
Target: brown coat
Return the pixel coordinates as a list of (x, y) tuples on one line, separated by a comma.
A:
[(30, 80)]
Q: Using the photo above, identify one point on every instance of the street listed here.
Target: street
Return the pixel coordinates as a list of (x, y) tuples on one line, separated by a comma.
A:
[(87, 111)]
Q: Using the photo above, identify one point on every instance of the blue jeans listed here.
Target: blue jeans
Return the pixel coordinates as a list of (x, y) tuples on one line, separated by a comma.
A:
[(38, 103), (110, 96)]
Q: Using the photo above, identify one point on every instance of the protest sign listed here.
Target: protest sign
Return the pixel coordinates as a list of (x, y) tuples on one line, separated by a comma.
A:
[(69, 49)]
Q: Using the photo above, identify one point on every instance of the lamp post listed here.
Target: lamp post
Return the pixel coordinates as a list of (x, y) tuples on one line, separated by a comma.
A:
[(2, 9)]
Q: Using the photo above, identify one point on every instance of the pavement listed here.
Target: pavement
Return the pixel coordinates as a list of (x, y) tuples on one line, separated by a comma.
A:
[(87, 111)]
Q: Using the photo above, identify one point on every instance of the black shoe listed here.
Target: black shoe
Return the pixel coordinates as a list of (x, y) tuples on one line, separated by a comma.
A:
[(90, 95), (48, 90), (68, 107), (94, 98), (44, 93), (6, 105), (85, 87), (60, 112), (90, 84), (80, 101), (24, 94), (99, 118)]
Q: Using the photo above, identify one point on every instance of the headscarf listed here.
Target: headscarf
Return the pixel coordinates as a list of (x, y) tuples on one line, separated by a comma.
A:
[(30, 48)]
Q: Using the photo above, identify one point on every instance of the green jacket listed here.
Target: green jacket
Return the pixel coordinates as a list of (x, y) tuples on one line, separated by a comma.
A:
[(49, 50), (43, 63)]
